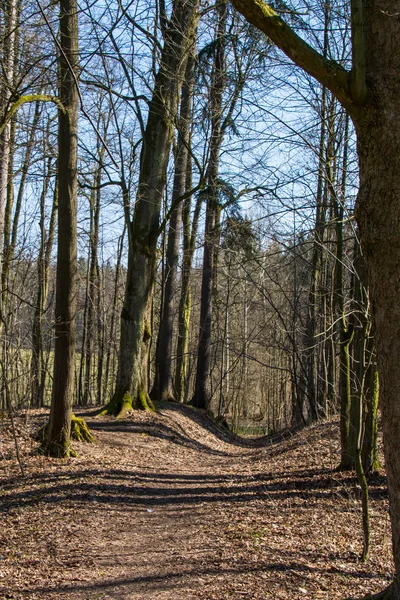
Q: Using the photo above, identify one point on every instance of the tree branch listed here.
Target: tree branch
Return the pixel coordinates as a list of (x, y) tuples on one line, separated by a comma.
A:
[(328, 72), (25, 100)]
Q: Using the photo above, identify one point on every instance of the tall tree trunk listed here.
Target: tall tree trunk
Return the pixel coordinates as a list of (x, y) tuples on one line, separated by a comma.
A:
[(59, 430), (111, 350), (202, 391), (357, 418), (143, 231), (345, 334), (369, 450), (38, 367), (163, 388), (184, 310), (8, 52), (378, 215), (93, 282), (310, 387)]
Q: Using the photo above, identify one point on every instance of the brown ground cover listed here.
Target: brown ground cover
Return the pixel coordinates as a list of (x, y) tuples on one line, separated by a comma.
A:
[(168, 506)]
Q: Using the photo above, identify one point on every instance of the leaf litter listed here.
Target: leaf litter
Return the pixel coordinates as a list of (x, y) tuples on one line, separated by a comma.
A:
[(169, 506)]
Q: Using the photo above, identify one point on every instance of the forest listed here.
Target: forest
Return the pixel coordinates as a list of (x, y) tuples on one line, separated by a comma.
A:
[(199, 284)]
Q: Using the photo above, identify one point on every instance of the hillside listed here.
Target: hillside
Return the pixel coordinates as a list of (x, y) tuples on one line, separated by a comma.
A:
[(169, 506)]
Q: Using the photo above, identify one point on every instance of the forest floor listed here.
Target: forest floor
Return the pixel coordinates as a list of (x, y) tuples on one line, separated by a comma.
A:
[(168, 506)]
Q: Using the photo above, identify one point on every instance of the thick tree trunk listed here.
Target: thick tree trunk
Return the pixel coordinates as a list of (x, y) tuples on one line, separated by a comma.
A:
[(59, 431), (378, 214), (6, 85), (202, 392), (8, 53), (143, 231)]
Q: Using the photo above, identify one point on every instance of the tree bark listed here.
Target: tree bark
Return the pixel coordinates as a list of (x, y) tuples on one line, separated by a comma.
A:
[(59, 431), (93, 282), (378, 212), (8, 53), (202, 391), (144, 229), (163, 384)]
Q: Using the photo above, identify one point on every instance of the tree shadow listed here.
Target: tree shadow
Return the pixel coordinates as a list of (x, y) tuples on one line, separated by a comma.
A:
[(138, 488), (178, 576)]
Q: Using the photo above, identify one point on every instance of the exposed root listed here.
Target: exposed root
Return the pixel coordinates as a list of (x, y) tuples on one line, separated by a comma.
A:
[(56, 450), (120, 405), (143, 402), (80, 431)]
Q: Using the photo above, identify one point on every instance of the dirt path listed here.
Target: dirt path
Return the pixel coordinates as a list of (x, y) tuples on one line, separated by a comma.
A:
[(168, 506)]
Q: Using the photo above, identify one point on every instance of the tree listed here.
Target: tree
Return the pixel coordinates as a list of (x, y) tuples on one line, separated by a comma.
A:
[(6, 86), (59, 430), (202, 392), (163, 386), (143, 230), (369, 92)]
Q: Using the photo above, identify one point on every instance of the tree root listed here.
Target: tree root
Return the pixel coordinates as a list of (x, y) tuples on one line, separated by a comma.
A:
[(143, 402), (119, 406), (80, 431)]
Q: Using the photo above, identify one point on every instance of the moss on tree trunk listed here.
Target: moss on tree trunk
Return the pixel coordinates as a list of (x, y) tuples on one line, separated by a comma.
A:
[(120, 404), (79, 431)]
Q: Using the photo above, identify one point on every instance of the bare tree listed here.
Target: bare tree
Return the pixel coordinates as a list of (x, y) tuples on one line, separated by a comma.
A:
[(132, 385), (58, 441)]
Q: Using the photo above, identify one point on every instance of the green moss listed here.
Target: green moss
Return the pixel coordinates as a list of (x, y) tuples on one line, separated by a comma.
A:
[(56, 450), (80, 431), (146, 333), (113, 407), (109, 409), (125, 405), (120, 404), (143, 402)]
